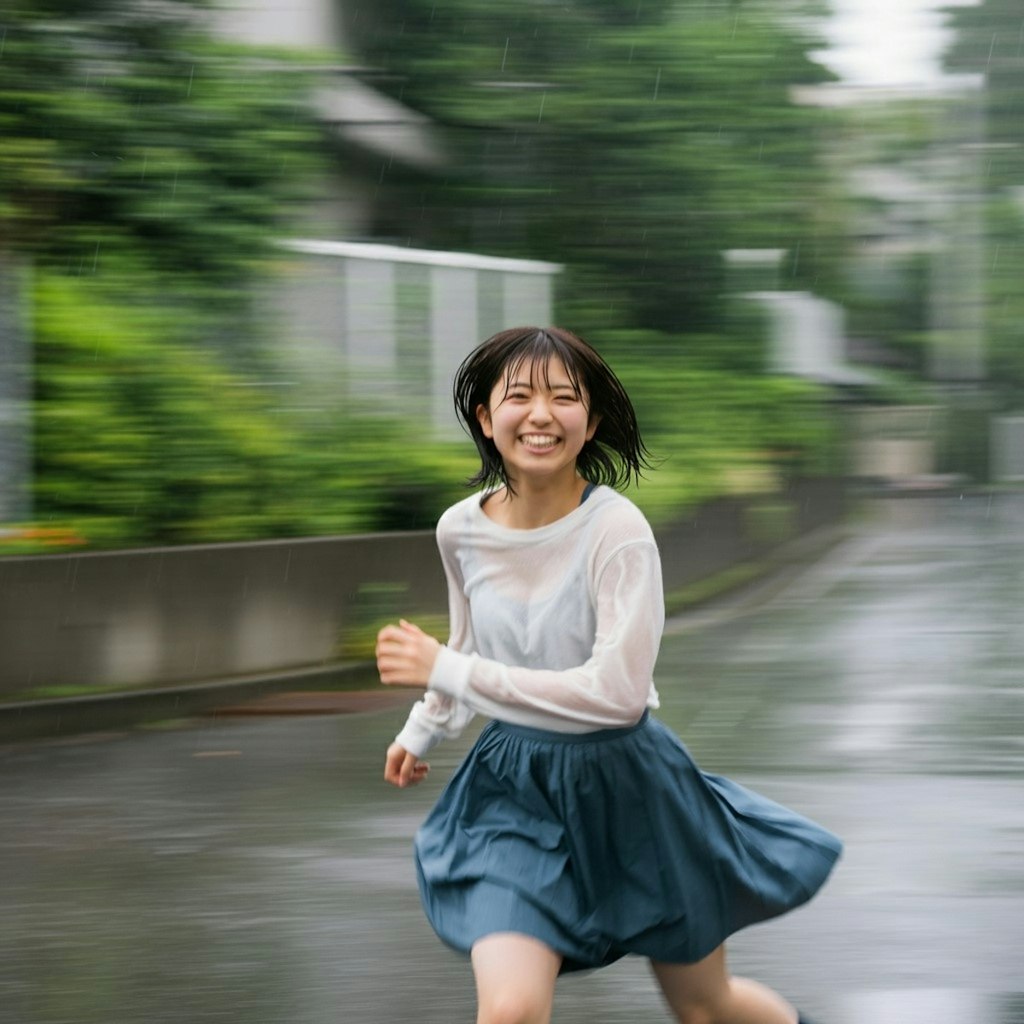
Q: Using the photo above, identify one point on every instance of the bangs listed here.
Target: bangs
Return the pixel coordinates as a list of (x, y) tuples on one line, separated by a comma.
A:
[(538, 351)]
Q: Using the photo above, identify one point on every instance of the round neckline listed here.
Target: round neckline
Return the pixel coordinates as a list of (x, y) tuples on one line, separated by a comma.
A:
[(533, 532)]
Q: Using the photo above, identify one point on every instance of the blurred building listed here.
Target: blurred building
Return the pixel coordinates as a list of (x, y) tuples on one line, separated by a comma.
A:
[(806, 333), (393, 324), (387, 323), (921, 201), (375, 134), (912, 164)]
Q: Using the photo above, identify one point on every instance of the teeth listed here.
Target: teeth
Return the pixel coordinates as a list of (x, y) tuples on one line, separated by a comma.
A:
[(539, 440)]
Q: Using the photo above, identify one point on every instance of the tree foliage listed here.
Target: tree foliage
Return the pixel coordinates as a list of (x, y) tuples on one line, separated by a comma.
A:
[(632, 142), (988, 43), (145, 438), (128, 132), (145, 169)]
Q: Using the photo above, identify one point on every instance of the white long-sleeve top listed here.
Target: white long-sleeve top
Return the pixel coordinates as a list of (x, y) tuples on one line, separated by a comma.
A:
[(556, 627)]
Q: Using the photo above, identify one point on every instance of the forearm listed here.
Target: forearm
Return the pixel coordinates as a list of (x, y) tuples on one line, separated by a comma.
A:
[(596, 695), (435, 718)]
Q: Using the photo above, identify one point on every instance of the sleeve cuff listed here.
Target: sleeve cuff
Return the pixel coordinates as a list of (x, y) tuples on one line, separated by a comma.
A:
[(417, 738), (450, 675)]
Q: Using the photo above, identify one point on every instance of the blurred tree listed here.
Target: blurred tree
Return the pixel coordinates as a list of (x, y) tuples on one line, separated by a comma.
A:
[(145, 170), (140, 436), (1004, 322), (988, 43), (127, 131), (144, 438), (887, 154), (634, 142)]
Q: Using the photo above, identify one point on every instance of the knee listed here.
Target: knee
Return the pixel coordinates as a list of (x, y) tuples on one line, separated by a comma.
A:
[(511, 1007)]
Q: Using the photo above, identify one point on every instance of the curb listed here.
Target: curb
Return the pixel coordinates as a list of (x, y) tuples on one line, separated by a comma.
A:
[(29, 720), (773, 576)]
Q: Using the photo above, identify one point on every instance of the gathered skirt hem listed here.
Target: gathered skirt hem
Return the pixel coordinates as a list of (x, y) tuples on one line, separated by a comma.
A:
[(609, 844)]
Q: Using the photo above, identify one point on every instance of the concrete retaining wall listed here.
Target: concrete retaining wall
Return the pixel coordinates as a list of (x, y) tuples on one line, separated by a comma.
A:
[(166, 617)]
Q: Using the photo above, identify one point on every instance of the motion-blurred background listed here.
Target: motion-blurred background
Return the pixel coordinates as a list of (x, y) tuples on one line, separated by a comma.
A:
[(244, 244)]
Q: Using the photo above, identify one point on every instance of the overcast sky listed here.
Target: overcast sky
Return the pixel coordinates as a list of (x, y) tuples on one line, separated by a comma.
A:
[(887, 42)]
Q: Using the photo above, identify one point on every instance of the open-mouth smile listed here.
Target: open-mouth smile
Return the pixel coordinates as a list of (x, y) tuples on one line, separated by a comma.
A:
[(538, 440)]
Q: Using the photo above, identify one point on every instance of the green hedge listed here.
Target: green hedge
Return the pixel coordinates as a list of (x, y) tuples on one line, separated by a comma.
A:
[(142, 436)]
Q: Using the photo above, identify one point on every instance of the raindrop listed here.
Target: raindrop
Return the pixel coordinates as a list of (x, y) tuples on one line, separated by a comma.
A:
[(504, 56), (540, 113), (190, 76), (657, 84)]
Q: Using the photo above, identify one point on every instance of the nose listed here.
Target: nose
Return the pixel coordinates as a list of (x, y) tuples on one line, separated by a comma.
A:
[(540, 410)]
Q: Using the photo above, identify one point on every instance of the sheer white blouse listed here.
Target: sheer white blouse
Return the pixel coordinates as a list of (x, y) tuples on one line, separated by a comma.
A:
[(555, 628)]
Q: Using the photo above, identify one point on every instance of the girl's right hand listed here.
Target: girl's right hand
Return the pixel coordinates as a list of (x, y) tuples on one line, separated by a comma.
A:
[(402, 768)]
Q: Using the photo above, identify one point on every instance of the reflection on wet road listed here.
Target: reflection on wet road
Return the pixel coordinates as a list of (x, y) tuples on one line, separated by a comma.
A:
[(260, 871)]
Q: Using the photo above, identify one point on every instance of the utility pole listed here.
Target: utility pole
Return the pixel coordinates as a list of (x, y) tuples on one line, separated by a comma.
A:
[(15, 391)]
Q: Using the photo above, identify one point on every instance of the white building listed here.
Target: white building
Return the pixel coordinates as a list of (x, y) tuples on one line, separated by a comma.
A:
[(387, 324)]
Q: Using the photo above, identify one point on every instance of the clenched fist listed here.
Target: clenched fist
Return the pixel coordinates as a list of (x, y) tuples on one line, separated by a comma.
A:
[(405, 655), (402, 768)]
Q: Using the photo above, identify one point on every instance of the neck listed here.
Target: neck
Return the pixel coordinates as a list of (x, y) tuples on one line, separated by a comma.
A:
[(535, 504)]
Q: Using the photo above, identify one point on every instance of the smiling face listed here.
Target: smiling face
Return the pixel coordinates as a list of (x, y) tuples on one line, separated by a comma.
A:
[(538, 422)]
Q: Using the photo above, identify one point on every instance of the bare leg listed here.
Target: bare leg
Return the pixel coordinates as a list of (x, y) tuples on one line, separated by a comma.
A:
[(705, 993), (515, 979)]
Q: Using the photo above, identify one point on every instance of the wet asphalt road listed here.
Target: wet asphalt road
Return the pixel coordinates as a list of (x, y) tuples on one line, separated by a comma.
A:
[(259, 871)]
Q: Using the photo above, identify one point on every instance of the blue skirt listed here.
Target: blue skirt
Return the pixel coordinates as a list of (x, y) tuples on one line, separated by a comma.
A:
[(609, 843)]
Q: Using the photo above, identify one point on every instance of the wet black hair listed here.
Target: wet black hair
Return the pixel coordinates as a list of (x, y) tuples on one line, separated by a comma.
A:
[(616, 453)]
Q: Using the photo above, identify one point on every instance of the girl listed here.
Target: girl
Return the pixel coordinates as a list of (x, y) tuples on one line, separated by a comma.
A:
[(578, 829)]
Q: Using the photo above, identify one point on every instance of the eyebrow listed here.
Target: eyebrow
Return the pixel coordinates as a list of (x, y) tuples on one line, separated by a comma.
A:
[(553, 387)]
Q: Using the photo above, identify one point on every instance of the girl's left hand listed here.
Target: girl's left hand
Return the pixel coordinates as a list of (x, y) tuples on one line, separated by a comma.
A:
[(405, 655)]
